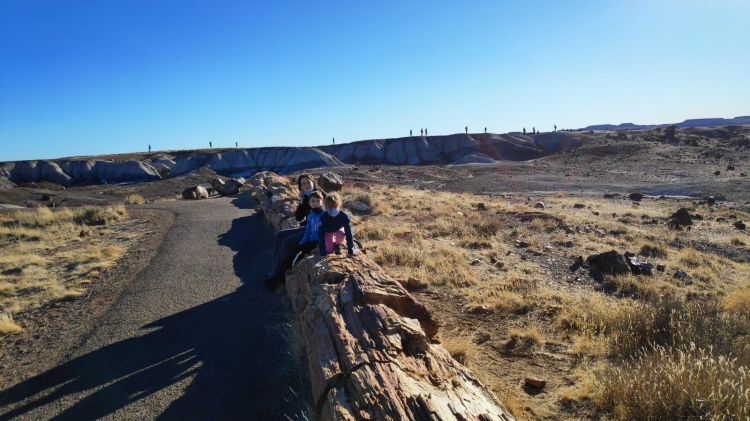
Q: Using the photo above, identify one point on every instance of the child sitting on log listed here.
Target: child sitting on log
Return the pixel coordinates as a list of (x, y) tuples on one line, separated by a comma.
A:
[(334, 226), (309, 239)]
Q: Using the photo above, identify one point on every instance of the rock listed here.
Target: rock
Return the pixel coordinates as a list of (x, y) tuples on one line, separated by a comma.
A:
[(481, 206), (535, 382), (478, 309), (680, 219), (539, 205), (228, 187), (521, 244), (742, 174), (740, 225), (609, 263), (476, 262), (709, 200), (611, 195), (576, 264), (197, 192), (330, 181), (661, 268), (358, 207), (579, 206), (638, 266), (681, 275), (481, 337), (717, 172), (371, 347), (730, 167), (636, 196)]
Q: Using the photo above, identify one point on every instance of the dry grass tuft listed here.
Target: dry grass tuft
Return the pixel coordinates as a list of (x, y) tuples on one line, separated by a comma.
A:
[(134, 199), (462, 349), (527, 339), (672, 383), (7, 325)]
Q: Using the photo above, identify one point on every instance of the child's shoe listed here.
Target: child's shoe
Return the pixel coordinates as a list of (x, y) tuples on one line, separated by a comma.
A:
[(337, 249)]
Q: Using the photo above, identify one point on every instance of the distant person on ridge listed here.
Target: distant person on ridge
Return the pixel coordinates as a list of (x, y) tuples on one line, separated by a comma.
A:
[(466, 129), (236, 145), (149, 148), (425, 131), (333, 139), (210, 145), (524, 130), (421, 132), (409, 132), (485, 129), (555, 127), (334, 226)]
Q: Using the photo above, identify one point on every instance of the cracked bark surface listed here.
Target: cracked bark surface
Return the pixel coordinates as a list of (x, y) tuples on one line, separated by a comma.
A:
[(371, 347)]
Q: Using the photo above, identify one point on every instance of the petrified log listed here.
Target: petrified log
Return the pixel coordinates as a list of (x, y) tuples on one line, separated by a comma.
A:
[(371, 347)]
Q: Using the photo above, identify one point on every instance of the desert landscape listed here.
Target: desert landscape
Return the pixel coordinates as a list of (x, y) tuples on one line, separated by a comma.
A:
[(585, 274)]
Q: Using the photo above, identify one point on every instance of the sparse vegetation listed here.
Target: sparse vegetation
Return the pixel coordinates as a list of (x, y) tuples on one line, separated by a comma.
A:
[(134, 199), (51, 255), (507, 262)]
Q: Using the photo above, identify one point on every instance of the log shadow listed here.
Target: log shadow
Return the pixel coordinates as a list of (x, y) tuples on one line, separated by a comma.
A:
[(235, 354)]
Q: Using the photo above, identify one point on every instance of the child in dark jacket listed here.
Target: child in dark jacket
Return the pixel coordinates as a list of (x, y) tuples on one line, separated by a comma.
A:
[(310, 237), (334, 226)]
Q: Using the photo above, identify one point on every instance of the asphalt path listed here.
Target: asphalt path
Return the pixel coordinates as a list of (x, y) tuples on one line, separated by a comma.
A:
[(196, 335)]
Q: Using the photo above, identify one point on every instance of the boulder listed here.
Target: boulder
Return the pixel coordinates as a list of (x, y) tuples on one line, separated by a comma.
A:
[(608, 263), (330, 181), (359, 207), (680, 219), (195, 193), (638, 266), (230, 186), (636, 196), (371, 347), (740, 225), (539, 205)]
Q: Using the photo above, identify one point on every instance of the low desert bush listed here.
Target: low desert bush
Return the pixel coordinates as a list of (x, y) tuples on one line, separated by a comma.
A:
[(676, 383), (462, 349), (7, 325), (524, 339), (134, 199), (650, 249)]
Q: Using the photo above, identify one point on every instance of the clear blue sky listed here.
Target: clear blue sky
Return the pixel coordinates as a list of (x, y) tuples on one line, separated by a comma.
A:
[(113, 76)]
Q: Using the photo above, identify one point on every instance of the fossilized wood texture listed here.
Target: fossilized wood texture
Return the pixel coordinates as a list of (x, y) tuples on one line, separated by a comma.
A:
[(371, 347)]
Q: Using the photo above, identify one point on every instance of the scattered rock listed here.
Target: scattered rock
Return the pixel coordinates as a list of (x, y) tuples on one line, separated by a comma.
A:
[(742, 174), (230, 186), (680, 219), (611, 195), (740, 225), (195, 193), (638, 266), (579, 206), (539, 205), (476, 262), (478, 309), (717, 172), (481, 206), (330, 181), (521, 244), (636, 196), (608, 263), (482, 337), (682, 275), (576, 264), (661, 268), (709, 200), (359, 207), (535, 382), (730, 167), (413, 284)]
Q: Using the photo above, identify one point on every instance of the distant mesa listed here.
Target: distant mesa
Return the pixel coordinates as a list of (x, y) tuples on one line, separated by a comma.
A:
[(696, 122), (457, 149)]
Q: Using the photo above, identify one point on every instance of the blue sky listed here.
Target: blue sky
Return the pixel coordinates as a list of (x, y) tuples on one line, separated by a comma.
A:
[(84, 78)]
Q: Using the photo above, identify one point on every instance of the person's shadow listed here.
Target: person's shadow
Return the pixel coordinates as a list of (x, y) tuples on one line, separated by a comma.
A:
[(237, 351)]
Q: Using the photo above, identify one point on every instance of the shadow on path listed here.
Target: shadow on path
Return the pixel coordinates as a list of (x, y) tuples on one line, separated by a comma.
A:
[(236, 349)]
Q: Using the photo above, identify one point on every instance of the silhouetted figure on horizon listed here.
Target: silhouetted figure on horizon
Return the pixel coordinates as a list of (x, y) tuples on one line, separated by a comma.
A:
[(421, 132), (555, 127), (524, 130), (210, 145), (333, 139), (149, 148), (409, 132), (236, 145), (485, 129), (425, 131), (466, 129), (533, 130)]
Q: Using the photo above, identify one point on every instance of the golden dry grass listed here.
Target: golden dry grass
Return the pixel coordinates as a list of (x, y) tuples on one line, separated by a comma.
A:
[(134, 199), (51, 255), (632, 323)]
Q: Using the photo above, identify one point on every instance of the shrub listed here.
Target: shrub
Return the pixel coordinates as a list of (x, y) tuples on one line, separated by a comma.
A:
[(684, 382), (461, 349), (92, 215), (134, 199)]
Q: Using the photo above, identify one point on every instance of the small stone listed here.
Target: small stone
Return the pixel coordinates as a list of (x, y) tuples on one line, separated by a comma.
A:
[(740, 225), (478, 309), (661, 268), (579, 206), (717, 172), (535, 382), (521, 244), (481, 338), (476, 262), (730, 167), (539, 205), (481, 206)]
